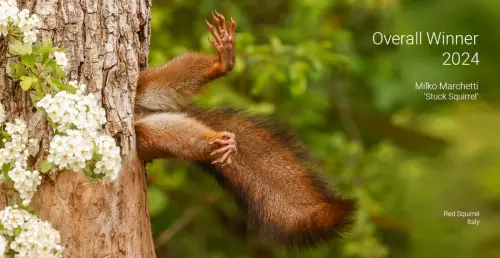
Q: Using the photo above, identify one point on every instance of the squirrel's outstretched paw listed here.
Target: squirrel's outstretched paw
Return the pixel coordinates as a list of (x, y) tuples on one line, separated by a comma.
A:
[(224, 41), (226, 149)]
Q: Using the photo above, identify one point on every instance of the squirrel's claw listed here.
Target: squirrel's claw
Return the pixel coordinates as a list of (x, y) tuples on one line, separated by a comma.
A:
[(228, 147), (222, 23), (222, 149), (232, 26)]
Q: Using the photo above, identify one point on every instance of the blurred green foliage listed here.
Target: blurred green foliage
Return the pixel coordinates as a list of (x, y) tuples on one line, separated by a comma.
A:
[(311, 64)]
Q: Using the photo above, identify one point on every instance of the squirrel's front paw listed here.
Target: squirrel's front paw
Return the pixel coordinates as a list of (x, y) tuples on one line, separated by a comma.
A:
[(223, 41), (227, 146)]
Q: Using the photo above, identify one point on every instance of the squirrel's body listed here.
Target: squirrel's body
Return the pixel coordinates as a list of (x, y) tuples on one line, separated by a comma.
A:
[(268, 173)]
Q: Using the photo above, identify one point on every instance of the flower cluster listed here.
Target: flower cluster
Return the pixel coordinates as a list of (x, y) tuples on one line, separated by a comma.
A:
[(31, 237), (18, 23), (15, 146), (77, 119), (109, 164), (73, 111), (25, 181), (71, 151), (14, 157)]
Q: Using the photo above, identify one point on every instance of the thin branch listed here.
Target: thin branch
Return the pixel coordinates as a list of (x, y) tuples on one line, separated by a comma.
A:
[(186, 218), (188, 215)]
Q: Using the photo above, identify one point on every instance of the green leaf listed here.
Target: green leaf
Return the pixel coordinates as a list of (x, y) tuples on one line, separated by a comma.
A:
[(51, 123), (69, 88), (53, 68), (13, 66), (38, 89), (19, 48), (89, 171), (29, 60), (6, 167), (17, 231), (99, 176), (46, 47), (45, 88), (49, 67), (11, 254), (6, 136), (55, 83), (46, 166), (5, 170), (59, 72), (27, 82), (34, 98), (97, 157), (17, 70)]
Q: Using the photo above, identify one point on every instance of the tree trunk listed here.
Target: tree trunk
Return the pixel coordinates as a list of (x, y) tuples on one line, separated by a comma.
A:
[(108, 44)]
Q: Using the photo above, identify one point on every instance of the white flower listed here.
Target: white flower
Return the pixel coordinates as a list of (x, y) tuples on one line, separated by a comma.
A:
[(61, 59), (110, 162), (36, 238), (77, 120), (80, 89), (70, 151), (30, 36), (25, 181), (28, 25), (8, 16), (74, 150), (11, 19), (15, 153), (78, 111), (15, 149)]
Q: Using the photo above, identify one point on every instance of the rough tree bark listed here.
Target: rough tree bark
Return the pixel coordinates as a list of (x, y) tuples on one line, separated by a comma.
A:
[(108, 44)]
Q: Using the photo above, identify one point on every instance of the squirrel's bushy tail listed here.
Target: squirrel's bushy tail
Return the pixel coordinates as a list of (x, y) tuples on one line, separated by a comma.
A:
[(272, 179), (327, 221)]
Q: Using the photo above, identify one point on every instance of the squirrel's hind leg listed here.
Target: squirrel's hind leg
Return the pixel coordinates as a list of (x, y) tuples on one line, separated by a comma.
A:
[(177, 135)]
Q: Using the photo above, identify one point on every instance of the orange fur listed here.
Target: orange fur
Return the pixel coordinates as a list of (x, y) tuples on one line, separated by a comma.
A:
[(270, 176), (273, 181)]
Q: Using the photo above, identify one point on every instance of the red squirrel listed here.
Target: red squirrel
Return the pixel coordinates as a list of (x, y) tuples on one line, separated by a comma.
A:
[(267, 171)]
